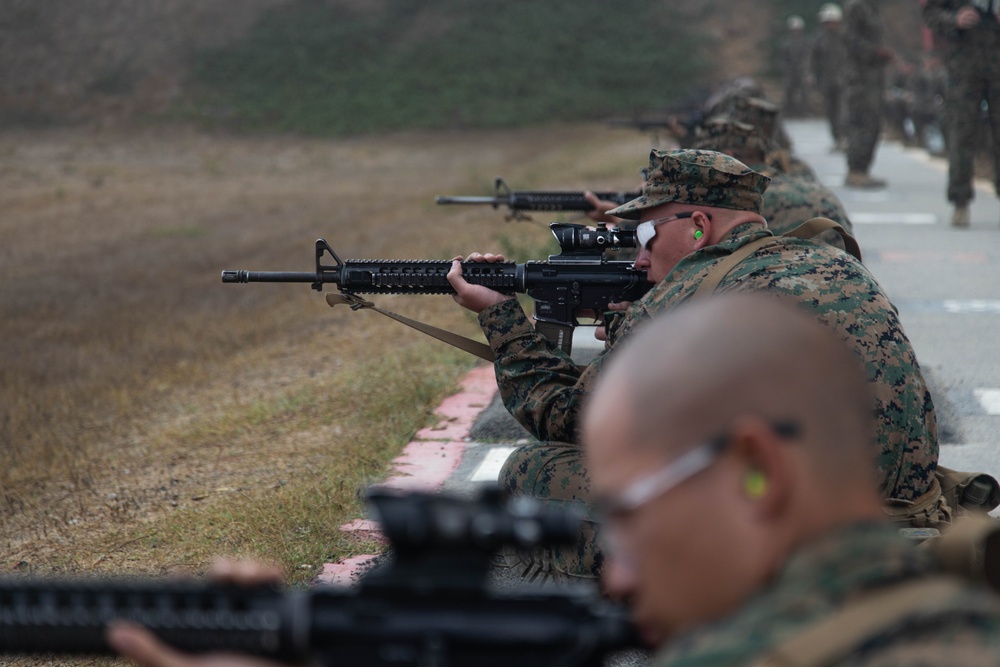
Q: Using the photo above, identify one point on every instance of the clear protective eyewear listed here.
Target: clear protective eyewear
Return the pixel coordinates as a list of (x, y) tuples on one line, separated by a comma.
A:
[(681, 469), (645, 231)]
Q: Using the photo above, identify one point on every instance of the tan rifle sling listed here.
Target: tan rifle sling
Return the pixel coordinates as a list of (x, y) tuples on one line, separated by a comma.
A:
[(357, 303), (833, 638), (815, 226)]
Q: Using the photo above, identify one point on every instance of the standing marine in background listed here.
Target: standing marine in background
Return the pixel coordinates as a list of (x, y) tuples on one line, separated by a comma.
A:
[(867, 57), (794, 53), (930, 90), (826, 62), (971, 28)]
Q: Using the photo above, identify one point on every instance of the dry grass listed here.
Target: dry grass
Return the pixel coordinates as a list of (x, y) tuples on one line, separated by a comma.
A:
[(152, 417)]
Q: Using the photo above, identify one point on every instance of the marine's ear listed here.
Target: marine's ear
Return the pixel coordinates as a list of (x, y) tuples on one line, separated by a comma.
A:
[(767, 469), (702, 228)]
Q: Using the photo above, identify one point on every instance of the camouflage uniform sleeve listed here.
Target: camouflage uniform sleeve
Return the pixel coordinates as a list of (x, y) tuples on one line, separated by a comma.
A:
[(540, 385), (861, 33), (939, 15)]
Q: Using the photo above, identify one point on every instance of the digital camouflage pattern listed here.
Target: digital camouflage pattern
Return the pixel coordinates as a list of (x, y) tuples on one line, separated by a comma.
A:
[(841, 293), (544, 390), (728, 135), (556, 473), (863, 37), (789, 200), (766, 117), (707, 178), (818, 580), (973, 63)]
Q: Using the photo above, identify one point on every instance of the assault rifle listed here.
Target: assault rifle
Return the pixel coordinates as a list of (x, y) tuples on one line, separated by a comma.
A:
[(680, 126), (517, 201), (431, 605), (578, 282)]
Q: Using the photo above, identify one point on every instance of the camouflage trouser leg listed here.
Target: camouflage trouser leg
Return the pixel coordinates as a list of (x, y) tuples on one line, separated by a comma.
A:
[(833, 104), (555, 474), (864, 122), (968, 86)]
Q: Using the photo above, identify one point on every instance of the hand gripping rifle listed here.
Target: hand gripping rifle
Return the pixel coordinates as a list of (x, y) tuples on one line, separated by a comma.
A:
[(431, 605), (518, 201), (575, 283)]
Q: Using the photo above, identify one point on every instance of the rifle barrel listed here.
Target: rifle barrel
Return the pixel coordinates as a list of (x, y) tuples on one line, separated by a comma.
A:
[(492, 201), (241, 276)]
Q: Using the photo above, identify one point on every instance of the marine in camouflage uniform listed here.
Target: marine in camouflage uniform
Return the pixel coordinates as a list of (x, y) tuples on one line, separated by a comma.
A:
[(973, 63), (789, 200), (826, 61), (866, 60), (816, 582), (793, 51), (544, 390), (929, 95), (757, 110)]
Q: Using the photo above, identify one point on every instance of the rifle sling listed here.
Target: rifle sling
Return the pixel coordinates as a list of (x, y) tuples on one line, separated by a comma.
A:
[(467, 344), (831, 639), (722, 268), (816, 226)]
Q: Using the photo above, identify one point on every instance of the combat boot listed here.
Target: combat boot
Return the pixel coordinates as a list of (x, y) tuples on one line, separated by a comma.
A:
[(960, 218), (859, 179)]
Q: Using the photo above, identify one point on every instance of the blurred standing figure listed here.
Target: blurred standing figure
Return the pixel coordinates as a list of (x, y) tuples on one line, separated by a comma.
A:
[(826, 60), (929, 92), (794, 62), (971, 29), (867, 57)]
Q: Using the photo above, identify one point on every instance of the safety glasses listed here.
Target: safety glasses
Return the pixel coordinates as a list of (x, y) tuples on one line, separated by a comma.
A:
[(681, 469), (647, 230)]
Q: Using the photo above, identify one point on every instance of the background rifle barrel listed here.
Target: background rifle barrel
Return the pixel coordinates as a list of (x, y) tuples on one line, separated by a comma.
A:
[(467, 200), (268, 277), (542, 200)]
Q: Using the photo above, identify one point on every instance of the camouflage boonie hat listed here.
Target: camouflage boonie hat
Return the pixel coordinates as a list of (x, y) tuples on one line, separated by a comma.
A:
[(700, 177), (755, 111), (725, 134), (743, 86)]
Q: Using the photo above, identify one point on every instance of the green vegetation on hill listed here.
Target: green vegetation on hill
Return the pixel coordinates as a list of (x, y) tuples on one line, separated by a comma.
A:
[(328, 70)]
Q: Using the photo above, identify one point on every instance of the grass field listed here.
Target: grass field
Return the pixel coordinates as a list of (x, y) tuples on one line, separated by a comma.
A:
[(152, 417)]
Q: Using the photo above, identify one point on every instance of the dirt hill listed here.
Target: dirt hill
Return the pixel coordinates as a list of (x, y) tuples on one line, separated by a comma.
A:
[(105, 61)]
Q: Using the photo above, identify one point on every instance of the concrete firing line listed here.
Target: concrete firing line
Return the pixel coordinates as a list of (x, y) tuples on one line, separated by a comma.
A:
[(989, 400)]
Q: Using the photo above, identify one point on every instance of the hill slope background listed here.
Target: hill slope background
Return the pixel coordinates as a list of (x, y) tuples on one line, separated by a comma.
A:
[(350, 66)]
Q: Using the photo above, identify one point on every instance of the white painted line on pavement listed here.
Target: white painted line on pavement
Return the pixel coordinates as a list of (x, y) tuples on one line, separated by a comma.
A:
[(951, 306), (875, 197), (971, 306), (489, 469), (894, 218), (989, 399)]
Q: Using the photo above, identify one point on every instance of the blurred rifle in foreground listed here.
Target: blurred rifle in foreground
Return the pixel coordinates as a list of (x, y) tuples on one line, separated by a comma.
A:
[(578, 282), (518, 201), (430, 606)]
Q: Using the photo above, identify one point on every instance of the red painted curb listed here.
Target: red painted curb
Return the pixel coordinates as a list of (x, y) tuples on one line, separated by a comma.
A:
[(427, 462)]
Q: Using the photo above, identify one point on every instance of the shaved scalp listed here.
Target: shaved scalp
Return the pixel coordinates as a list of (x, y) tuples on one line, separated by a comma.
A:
[(692, 372)]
